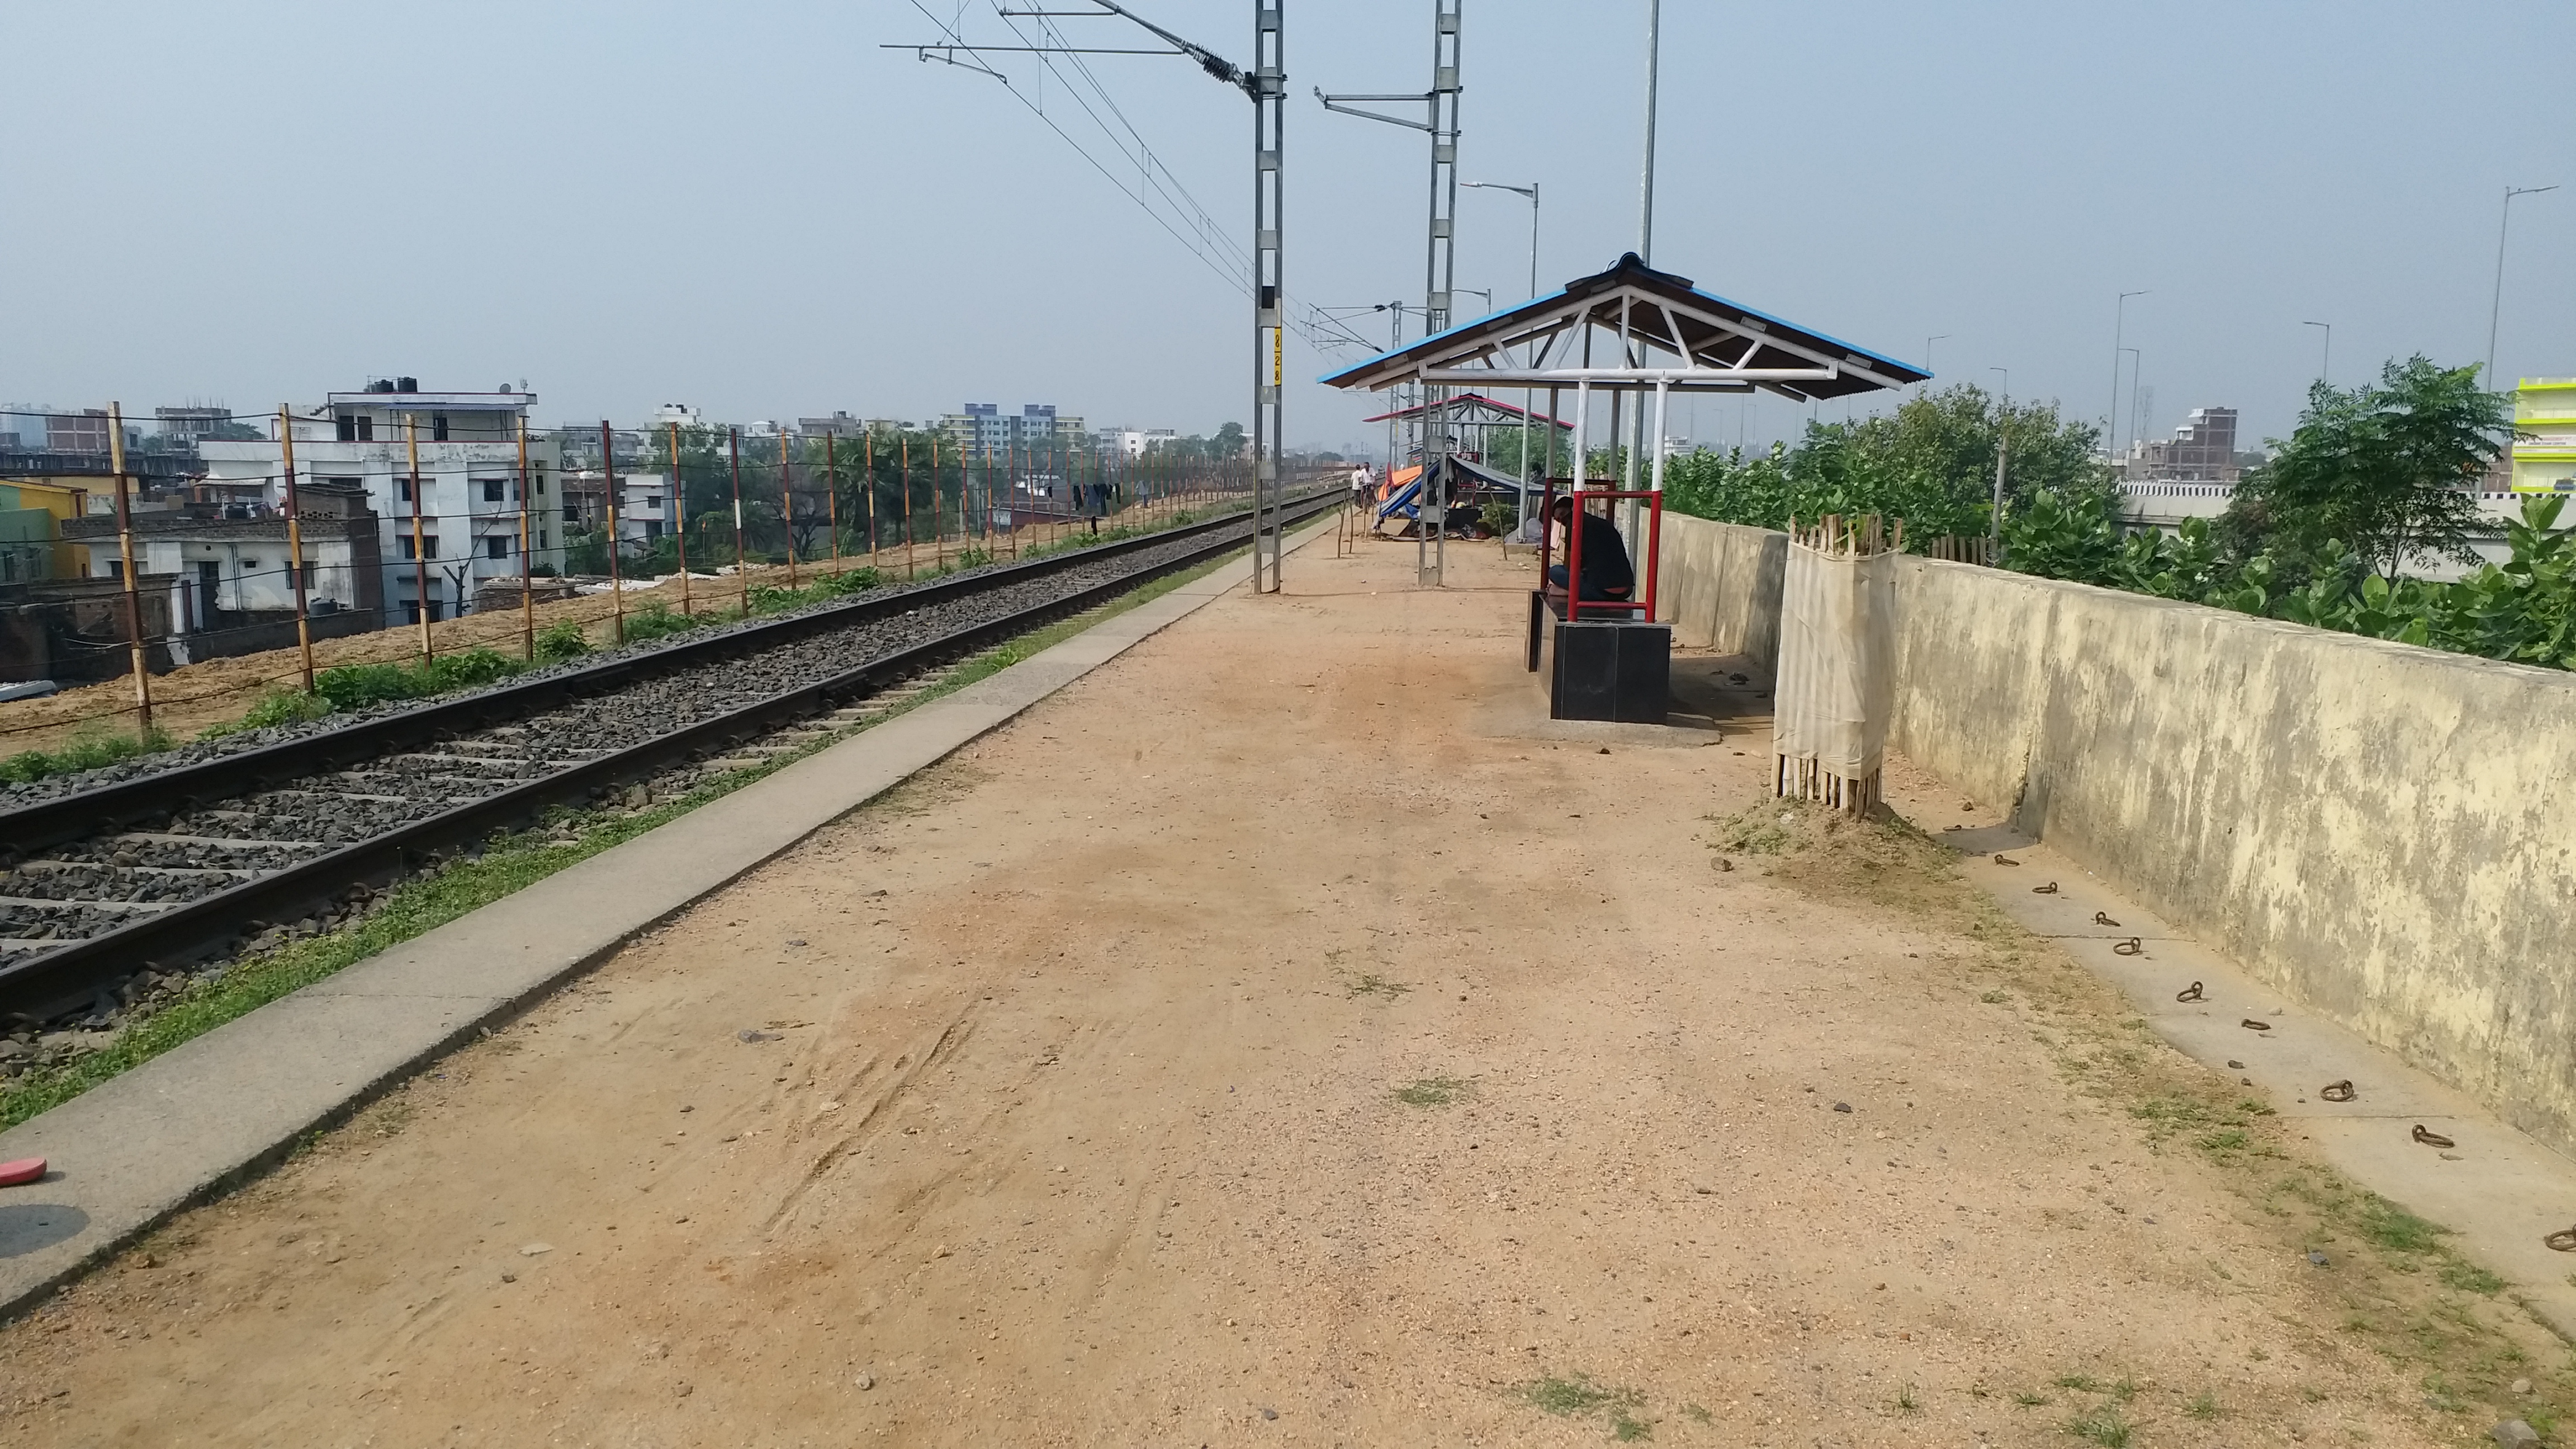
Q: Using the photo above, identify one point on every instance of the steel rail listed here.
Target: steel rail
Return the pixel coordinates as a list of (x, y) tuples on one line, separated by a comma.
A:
[(48, 982), (85, 813)]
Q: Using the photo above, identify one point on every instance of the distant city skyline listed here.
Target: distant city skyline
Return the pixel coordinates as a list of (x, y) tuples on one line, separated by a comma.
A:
[(757, 210)]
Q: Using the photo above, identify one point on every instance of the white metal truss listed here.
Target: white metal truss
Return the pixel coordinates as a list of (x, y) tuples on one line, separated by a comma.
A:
[(1659, 334)]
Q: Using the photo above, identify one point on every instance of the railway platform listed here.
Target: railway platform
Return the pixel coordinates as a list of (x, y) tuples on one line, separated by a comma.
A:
[(1282, 1032)]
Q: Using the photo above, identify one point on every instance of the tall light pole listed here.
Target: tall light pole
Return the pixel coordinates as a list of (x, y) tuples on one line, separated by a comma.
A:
[(1927, 351), (1645, 253), (1530, 191), (1521, 505), (2325, 363), (1646, 183), (2003, 447), (2137, 363), (2495, 308), (2111, 420)]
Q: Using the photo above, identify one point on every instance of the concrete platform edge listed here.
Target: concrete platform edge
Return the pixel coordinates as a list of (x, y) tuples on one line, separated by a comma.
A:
[(200, 1120)]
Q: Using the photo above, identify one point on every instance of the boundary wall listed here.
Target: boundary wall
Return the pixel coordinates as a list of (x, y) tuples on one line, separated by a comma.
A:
[(1718, 584), (2386, 833)]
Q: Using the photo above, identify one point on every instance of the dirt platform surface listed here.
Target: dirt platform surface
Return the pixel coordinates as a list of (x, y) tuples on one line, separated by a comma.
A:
[(1285, 1035)]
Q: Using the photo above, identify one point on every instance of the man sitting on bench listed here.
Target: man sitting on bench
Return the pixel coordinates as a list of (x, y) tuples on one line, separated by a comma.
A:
[(1606, 575)]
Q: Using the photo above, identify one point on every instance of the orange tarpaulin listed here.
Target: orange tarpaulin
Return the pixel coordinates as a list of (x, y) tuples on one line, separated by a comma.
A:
[(1396, 480)]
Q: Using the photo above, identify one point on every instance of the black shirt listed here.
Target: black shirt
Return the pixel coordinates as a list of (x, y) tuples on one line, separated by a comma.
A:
[(1605, 557)]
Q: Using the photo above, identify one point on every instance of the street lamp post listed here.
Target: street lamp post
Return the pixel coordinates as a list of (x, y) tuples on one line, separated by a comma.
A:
[(2003, 446), (2119, 319), (2325, 363), (1530, 191), (2137, 365), (2495, 308), (1527, 396)]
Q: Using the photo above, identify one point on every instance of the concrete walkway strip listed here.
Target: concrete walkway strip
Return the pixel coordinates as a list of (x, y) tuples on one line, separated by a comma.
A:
[(130, 1152), (2501, 1190)]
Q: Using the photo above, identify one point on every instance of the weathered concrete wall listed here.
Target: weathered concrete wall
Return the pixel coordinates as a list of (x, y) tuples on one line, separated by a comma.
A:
[(2387, 833), (2384, 831), (1718, 584)]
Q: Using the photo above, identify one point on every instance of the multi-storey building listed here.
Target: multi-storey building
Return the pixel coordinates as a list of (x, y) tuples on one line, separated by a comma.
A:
[(2202, 450), (2544, 459), (468, 498), (1037, 427), (1133, 443)]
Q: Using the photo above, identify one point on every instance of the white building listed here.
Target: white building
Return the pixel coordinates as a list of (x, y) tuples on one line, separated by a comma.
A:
[(645, 512), (468, 445), (1131, 443)]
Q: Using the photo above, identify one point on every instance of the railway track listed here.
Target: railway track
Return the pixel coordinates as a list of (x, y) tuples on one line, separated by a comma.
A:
[(104, 887)]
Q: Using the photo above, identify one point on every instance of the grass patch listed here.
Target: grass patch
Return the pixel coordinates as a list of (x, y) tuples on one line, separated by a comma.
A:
[(2470, 1278), (2395, 1229), (1906, 1403), (1372, 984), (89, 747), (1435, 1091), (508, 862), (355, 686), (1755, 830), (1629, 1430), (2025, 1399), (2203, 1406), (2105, 1426), (1578, 1394)]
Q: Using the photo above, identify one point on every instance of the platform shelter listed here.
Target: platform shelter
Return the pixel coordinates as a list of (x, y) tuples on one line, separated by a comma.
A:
[(1633, 333)]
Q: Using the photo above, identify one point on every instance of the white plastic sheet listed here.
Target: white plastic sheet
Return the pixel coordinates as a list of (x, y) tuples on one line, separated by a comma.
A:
[(1837, 681)]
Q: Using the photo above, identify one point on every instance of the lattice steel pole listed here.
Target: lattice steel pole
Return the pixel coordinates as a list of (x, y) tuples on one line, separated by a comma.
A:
[(1431, 544), (1269, 87)]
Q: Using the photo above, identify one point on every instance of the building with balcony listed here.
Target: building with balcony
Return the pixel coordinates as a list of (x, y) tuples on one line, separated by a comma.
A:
[(2544, 455), (2202, 450), (231, 568), (1133, 443), (983, 429), (645, 513), (469, 494)]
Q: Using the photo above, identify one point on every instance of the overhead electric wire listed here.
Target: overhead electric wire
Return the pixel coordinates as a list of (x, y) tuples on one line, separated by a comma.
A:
[(1159, 220), (1311, 328)]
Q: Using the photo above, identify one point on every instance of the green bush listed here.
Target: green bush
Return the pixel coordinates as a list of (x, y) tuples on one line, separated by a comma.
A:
[(89, 747), (562, 641), (2522, 610), (355, 686), (656, 621), (276, 707)]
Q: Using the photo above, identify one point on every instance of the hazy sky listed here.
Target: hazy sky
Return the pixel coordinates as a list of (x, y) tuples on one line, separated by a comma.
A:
[(754, 209)]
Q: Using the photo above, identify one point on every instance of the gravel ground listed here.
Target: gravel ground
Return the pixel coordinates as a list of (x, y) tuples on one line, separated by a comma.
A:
[(1178, 1066), (16, 795), (324, 812)]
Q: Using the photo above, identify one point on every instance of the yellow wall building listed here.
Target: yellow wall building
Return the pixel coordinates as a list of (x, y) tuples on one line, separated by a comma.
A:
[(32, 512), (2544, 452)]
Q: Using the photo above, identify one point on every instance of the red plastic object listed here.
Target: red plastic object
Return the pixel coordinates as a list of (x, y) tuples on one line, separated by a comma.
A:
[(24, 1170)]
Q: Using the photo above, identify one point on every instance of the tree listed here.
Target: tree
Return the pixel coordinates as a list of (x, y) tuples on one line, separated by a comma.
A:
[(2388, 470), (1229, 440), (1930, 463)]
